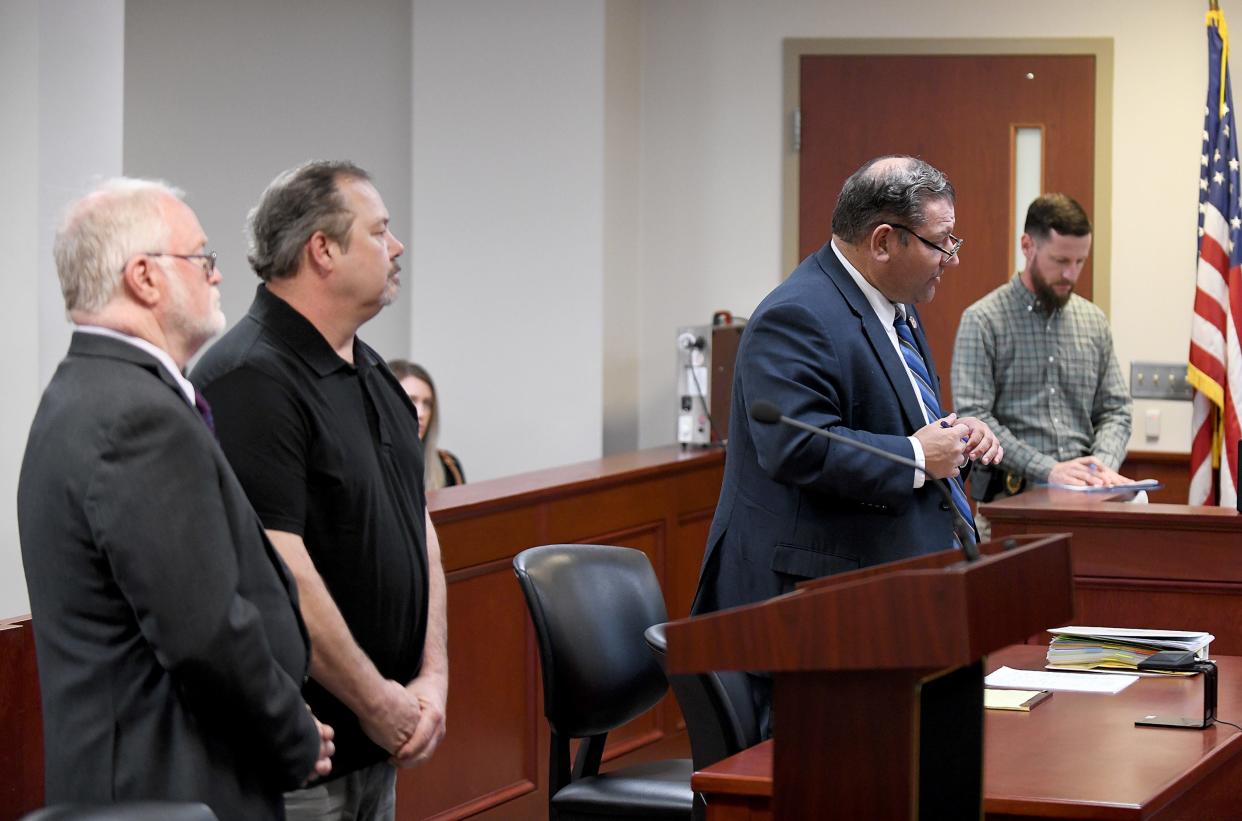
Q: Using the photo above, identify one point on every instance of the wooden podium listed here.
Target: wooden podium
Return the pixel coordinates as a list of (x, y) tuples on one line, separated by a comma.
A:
[(877, 674)]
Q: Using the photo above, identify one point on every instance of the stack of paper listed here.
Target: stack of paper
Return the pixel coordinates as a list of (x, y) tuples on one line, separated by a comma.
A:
[(1089, 648)]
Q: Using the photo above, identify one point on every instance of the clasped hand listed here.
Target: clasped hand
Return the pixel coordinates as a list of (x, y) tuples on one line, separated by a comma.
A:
[(949, 443), (408, 721)]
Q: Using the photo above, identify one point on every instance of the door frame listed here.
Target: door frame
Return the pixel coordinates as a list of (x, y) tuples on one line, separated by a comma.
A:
[(794, 48)]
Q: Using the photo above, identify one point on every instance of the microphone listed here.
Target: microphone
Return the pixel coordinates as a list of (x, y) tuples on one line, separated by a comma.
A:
[(765, 412)]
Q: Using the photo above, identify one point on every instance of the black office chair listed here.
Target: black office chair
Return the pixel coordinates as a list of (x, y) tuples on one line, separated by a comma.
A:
[(590, 605), (720, 716), (124, 811)]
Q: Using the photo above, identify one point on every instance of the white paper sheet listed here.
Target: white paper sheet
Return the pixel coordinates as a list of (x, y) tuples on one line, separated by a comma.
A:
[(1108, 683)]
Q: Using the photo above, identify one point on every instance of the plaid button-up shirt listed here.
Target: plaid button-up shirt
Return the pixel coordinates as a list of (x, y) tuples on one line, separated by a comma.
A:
[(1048, 385)]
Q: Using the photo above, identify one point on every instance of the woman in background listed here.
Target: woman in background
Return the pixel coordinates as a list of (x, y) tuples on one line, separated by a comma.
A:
[(445, 470)]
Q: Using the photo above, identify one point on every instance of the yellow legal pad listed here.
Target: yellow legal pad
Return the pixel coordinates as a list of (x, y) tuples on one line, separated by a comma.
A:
[(1022, 700)]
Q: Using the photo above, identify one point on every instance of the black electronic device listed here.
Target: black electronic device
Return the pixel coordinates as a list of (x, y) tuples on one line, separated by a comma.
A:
[(1179, 660), (1183, 661), (705, 358)]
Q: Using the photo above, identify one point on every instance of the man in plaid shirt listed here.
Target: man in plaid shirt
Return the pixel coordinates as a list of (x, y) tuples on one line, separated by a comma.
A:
[(1035, 362)]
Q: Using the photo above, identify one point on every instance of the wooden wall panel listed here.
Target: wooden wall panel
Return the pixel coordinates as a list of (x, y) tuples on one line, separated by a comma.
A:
[(494, 706), (689, 542), (21, 722), (1173, 469), (1159, 566), (499, 536), (660, 502), (575, 518), (1122, 602)]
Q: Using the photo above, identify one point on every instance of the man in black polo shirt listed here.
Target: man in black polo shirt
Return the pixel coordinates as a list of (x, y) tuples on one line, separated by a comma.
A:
[(325, 443)]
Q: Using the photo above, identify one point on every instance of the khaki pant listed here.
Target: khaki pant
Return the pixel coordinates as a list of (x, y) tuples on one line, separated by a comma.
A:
[(984, 527), (369, 794)]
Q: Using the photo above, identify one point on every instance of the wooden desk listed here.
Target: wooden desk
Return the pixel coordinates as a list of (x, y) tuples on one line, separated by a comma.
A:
[(1154, 565), (1074, 756)]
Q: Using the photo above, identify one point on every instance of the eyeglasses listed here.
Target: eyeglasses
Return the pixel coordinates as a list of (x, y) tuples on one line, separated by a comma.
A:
[(207, 260), (948, 254)]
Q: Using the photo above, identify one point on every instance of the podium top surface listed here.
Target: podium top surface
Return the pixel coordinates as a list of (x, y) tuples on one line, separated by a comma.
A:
[(930, 613)]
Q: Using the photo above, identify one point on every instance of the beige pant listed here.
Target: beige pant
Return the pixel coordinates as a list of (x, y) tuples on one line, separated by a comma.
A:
[(984, 527), (368, 794)]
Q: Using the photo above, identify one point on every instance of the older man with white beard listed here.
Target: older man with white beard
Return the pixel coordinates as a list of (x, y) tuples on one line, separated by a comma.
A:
[(170, 647)]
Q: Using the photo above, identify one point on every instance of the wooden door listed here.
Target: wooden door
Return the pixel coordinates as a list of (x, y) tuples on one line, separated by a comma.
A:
[(959, 113)]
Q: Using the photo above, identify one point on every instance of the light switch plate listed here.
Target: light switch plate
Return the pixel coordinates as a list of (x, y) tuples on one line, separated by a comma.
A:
[(1159, 380)]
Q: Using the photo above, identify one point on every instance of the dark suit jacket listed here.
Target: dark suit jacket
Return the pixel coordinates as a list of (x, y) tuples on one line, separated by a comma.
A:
[(170, 647), (794, 506)]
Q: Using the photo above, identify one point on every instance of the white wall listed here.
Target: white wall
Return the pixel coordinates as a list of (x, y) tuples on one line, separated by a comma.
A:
[(81, 69), (577, 178), (61, 98), (622, 237), (712, 136), (221, 96), (509, 227), (19, 236)]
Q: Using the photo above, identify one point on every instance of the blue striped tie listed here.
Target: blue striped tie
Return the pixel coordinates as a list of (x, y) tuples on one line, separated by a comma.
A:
[(922, 378)]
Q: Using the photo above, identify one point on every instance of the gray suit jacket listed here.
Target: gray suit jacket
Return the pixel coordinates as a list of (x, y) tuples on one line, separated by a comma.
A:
[(793, 506), (170, 647)]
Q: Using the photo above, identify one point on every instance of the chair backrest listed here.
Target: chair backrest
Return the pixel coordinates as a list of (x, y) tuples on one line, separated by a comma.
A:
[(590, 605), (125, 811), (720, 716)]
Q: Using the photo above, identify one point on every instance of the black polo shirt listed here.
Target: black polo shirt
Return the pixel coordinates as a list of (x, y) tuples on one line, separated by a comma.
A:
[(330, 451)]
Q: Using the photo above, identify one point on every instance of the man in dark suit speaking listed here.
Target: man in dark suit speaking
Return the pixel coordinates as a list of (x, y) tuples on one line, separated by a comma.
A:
[(170, 647), (838, 346)]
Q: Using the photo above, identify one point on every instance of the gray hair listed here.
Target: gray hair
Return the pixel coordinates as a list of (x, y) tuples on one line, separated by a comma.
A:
[(298, 203), (101, 231), (882, 191)]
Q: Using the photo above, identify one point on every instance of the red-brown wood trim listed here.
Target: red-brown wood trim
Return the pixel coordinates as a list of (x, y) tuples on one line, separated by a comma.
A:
[(484, 802), (1160, 456), (1158, 585), (452, 503)]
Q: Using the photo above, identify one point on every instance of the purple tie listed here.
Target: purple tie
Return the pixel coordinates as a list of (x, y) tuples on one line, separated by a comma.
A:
[(204, 410)]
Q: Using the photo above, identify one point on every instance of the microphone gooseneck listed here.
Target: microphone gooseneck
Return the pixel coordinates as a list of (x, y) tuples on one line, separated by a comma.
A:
[(761, 410), (767, 413)]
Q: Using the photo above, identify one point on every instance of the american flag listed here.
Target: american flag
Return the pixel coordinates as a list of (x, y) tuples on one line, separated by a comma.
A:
[(1215, 369)]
